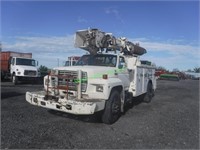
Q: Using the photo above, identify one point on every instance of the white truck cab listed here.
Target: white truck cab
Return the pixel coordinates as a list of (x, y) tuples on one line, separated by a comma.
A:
[(23, 69)]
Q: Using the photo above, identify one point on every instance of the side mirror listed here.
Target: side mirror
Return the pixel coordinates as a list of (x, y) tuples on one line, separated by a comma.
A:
[(12, 61), (121, 65)]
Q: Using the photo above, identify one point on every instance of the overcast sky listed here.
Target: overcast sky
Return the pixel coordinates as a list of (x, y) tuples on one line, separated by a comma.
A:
[(169, 30)]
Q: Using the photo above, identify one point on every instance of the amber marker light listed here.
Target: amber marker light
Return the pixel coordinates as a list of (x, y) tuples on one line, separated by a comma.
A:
[(105, 76)]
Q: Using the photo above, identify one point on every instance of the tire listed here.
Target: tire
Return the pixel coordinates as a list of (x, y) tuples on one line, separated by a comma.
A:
[(2, 76), (14, 79), (150, 93), (112, 110)]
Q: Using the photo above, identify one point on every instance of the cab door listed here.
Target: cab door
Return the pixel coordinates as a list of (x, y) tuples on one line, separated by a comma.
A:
[(12, 65), (122, 72)]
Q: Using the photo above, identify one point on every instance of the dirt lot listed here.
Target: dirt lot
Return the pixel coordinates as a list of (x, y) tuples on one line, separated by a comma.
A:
[(170, 121)]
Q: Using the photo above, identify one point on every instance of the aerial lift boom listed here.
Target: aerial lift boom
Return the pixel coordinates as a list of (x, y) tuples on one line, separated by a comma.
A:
[(94, 40)]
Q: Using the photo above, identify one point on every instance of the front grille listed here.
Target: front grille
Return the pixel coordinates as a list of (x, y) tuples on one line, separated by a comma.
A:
[(69, 79), (30, 72)]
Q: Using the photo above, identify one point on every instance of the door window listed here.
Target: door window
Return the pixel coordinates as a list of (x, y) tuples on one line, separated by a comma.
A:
[(121, 62)]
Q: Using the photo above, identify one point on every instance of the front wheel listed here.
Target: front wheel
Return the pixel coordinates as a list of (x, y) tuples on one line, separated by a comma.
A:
[(14, 79), (2, 76), (112, 110)]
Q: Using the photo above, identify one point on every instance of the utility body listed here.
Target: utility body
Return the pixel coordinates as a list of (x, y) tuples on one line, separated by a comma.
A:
[(18, 66), (99, 82)]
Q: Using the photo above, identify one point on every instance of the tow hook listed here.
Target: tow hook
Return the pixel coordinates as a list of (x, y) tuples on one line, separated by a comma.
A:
[(69, 107)]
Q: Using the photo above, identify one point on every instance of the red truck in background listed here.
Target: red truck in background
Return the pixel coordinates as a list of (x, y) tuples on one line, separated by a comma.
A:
[(159, 72), (162, 74), (72, 60)]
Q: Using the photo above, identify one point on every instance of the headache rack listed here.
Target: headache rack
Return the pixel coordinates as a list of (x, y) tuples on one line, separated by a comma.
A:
[(67, 80)]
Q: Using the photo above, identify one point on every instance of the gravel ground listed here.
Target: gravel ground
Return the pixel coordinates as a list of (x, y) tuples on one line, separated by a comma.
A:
[(170, 121)]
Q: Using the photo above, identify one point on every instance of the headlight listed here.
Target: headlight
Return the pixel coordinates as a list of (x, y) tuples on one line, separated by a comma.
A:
[(84, 81), (53, 81), (99, 88), (46, 81)]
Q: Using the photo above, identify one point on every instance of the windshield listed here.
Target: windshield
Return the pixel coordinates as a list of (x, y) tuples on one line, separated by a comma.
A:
[(25, 62), (98, 60)]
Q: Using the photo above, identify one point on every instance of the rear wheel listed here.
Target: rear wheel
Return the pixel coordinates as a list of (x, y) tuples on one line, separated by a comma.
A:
[(14, 79), (150, 93), (2, 75), (112, 110)]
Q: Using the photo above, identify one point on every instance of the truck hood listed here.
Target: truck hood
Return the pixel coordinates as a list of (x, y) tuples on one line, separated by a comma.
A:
[(92, 71), (27, 67)]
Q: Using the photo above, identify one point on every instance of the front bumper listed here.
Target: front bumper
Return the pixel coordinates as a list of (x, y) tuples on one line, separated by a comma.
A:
[(73, 106), (28, 78)]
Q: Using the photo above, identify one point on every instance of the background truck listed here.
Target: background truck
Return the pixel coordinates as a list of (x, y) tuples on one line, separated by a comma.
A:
[(71, 61), (18, 66), (103, 81)]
